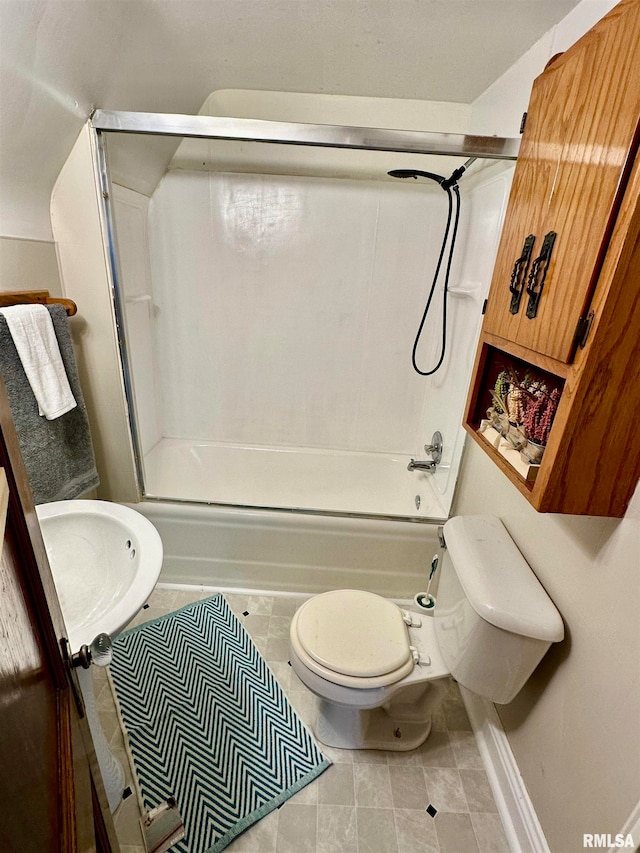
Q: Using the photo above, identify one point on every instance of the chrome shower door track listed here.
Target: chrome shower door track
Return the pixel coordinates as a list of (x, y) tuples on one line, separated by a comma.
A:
[(318, 135)]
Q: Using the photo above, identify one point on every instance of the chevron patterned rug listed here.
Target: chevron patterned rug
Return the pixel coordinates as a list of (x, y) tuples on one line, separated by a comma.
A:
[(208, 723)]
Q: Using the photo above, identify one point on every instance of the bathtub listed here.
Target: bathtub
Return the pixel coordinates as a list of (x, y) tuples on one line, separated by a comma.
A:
[(307, 479), (292, 552)]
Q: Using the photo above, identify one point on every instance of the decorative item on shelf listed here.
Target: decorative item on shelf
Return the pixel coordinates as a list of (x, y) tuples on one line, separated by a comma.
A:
[(506, 415), (494, 419), (503, 384), (497, 413), (521, 415), (538, 419), (516, 437), (532, 452), (516, 400)]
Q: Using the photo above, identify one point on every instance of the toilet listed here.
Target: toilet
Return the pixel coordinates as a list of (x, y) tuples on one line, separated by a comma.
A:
[(380, 671)]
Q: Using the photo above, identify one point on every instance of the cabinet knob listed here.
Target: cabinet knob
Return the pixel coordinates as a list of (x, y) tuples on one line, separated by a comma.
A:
[(519, 274), (539, 273)]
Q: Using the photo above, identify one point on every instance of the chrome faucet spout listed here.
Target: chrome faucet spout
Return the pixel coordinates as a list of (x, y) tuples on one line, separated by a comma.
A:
[(420, 465)]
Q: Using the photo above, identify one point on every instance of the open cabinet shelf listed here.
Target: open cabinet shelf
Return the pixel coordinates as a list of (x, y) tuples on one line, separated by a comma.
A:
[(505, 431)]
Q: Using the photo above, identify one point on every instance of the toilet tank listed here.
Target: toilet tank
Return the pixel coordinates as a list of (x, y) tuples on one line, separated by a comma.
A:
[(493, 620)]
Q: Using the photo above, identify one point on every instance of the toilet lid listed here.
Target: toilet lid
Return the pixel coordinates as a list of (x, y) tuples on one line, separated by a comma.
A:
[(354, 633)]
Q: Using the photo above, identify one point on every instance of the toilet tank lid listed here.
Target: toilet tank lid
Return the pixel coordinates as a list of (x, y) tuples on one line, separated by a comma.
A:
[(498, 582)]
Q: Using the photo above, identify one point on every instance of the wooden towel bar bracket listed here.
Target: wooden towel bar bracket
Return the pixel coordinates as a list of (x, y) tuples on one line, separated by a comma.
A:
[(22, 297)]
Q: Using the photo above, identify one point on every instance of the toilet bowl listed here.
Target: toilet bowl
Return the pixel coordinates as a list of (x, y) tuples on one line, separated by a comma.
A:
[(379, 671), (360, 652)]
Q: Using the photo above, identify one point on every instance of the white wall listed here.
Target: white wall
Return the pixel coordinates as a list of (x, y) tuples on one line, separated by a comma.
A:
[(265, 158), (130, 211), (484, 198), (287, 308), (575, 728), (29, 265), (499, 109), (86, 278)]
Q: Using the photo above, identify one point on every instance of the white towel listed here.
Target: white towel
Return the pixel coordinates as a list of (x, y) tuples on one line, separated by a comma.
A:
[(35, 339)]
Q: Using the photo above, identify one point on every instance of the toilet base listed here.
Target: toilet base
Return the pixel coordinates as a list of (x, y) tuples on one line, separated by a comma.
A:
[(399, 726), (344, 728)]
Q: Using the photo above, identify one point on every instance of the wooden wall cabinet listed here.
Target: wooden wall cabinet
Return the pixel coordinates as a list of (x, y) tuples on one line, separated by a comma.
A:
[(569, 309)]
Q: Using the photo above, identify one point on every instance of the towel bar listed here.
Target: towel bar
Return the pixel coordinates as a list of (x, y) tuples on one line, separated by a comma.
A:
[(21, 297)]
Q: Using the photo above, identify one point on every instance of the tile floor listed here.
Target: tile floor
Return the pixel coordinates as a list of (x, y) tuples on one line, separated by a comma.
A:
[(367, 801)]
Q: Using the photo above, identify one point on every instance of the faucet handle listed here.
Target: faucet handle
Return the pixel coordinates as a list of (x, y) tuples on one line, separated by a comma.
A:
[(435, 448)]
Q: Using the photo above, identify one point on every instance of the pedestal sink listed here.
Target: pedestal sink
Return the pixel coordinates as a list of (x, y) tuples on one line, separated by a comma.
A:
[(105, 560)]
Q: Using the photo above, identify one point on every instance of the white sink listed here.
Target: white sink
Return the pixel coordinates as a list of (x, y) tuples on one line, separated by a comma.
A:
[(105, 560)]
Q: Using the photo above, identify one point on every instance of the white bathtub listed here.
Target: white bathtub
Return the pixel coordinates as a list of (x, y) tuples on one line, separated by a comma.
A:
[(290, 552), (333, 481)]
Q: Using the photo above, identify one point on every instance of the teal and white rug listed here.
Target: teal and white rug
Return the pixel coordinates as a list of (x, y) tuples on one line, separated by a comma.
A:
[(208, 724)]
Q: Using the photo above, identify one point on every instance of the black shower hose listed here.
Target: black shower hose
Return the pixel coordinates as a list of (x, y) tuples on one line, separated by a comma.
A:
[(452, 216)]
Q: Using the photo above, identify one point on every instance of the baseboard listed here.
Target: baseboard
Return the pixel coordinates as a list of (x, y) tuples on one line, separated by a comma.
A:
[(519, 819)]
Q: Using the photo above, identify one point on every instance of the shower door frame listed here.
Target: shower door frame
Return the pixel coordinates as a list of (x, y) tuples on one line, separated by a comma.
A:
[(271, 132), (315, 135)]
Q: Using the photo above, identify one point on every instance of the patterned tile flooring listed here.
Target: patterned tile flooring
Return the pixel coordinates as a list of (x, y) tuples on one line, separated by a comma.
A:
[(368, 801)]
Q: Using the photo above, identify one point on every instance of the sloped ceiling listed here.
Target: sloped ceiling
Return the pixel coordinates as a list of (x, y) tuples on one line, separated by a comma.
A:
[(59, 58)]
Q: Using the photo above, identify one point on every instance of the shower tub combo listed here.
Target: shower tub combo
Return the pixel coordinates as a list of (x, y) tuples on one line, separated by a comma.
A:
[(265, 282)]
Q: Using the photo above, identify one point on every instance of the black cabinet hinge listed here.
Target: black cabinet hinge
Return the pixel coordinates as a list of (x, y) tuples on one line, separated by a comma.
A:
[(583, 328), (484, 306), (523, 122)]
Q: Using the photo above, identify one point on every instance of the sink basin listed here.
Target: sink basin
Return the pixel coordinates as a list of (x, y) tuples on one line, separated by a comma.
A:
[(105, 560)]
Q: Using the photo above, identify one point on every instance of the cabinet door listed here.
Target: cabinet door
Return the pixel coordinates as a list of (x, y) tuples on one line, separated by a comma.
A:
[(577, 150)]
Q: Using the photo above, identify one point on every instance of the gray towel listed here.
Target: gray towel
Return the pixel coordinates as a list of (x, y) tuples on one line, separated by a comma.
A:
[(58, 454)]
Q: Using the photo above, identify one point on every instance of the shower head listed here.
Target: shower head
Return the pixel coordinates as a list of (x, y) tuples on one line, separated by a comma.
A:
[(445, 183), (403, 173), (414, 173)]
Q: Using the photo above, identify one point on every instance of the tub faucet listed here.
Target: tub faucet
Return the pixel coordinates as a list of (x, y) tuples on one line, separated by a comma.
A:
[(417, 465)]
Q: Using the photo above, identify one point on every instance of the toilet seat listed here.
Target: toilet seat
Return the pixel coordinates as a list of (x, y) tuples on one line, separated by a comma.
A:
[(353, 638)]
